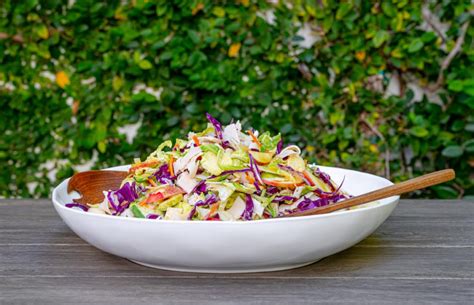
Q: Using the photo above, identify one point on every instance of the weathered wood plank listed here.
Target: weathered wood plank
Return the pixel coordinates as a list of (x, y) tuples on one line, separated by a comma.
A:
[(455, 263), (423, 254), (64, 290)]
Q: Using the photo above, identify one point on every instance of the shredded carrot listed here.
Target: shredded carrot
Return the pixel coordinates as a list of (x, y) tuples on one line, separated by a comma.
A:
[(170, 165), (213, 209), (196, 140), (143, 202), (308, 177), (249, 178), (254, 138), (143, 164), (151, 182)]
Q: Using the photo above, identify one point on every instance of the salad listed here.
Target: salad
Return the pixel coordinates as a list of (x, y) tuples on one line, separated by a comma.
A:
[(220, 174)]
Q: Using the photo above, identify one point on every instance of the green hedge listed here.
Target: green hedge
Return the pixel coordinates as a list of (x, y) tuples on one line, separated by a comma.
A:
[(72, 76)]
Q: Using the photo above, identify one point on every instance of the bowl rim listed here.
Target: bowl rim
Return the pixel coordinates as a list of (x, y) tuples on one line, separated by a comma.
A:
[(389, 201)]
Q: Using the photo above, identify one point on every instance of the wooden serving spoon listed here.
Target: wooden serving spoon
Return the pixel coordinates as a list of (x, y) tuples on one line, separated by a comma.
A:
[(389, 191), (91, 184)]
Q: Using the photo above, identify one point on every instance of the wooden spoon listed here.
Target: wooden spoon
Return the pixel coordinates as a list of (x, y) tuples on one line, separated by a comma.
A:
[(392, 190), (91, 184)]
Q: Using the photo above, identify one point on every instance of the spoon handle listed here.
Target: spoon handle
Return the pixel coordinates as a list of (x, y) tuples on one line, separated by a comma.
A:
[(392, 190)]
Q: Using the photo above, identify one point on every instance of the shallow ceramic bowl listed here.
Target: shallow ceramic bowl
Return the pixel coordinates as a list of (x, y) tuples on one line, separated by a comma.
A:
[(239, 246)]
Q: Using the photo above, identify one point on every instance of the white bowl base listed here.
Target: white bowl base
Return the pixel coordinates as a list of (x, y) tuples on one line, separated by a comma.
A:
[(223, 270)]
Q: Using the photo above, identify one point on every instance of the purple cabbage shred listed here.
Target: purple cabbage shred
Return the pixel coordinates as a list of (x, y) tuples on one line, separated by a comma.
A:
[(77, 205), (258, 189), (248, 211), (191, 214), (218, 128), (325, 178), (210, 199), (308, 204), (163, 175), (279, 146), (255, 170), (217, 125), (233, 171), (272, 190), (111, 200), (283, 198), (200, 187), (125, 195), (324, 194)]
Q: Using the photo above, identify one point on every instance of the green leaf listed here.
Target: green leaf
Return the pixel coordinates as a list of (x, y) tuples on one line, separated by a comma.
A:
[(453, 151), (42, 31), (388, 8), (193, 108), (172, 121), (194, 36), (415, 45), (286, 128), (161, 10), (102, 146), (218, 11), (311, 8), (336, 117), (145, 64), (380, 37), (458, 126), (445, 192), (469, 90), (469, 127), (469, 145), (419, 131), (343, 9), (117, 83), (455, 85), (137, 56)]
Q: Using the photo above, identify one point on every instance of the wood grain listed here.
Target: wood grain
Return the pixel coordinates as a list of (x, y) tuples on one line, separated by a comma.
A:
[(411, 185), (126, 291), (423, 254), (91, 184), (356, 262)]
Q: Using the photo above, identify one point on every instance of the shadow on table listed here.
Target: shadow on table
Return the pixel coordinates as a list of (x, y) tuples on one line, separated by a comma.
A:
[(346, 262)]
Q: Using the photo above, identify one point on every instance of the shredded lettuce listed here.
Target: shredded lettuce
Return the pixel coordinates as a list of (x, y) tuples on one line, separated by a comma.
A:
[(268, 142)]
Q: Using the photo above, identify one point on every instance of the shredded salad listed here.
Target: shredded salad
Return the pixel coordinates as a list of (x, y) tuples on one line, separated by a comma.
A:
[(220, 174)]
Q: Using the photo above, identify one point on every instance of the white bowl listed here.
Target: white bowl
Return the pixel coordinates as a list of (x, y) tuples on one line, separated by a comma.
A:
[(239, 246)]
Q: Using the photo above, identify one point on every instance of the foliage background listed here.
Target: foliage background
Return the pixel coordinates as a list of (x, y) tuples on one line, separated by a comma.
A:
[(380, 86)]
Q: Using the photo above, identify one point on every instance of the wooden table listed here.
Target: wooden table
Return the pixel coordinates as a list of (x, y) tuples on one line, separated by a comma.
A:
[(423, 254)]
